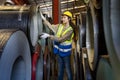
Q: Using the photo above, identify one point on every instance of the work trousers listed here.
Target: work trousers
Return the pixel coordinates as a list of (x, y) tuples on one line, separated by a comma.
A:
[(64, 62)]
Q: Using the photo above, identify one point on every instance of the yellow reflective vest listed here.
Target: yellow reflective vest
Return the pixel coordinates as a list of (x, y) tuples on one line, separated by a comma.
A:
[(64, 48)]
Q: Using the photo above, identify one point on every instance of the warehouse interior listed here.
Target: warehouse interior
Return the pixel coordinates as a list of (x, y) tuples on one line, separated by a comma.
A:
[(95, 51)]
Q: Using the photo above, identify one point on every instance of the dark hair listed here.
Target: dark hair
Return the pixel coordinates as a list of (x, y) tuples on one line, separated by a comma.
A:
[(72, 25), (75, 30)]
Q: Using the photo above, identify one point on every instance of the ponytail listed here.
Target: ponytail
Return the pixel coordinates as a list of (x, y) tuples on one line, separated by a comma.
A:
[(75, 30)]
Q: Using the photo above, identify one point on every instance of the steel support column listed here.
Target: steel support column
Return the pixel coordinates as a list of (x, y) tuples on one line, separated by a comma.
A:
[(56, 11)]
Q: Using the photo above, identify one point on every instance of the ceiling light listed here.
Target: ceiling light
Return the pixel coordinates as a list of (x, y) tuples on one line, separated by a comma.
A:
[(74, 8), (68, 1)]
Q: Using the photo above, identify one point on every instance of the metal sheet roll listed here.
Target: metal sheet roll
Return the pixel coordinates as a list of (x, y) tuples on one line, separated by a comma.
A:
[(86, 68), (39, 67), (37, 64), (90, 39), (111, 19), (15, 59), (83, 30), (14, 20), (95, 41), (25, 18), (104, 71)]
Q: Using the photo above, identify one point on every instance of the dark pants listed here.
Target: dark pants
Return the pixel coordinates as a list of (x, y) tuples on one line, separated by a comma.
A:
[(64, 62)]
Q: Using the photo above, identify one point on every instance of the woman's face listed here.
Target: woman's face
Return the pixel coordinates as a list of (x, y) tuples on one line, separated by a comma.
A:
[(65, 19)]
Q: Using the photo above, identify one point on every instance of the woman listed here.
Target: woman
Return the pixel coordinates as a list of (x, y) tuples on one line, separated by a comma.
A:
[(62, 43)]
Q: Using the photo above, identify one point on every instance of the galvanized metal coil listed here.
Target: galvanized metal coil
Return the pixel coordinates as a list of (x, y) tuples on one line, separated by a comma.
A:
[(111, 19), (25, 18), (104, 70), (83, 30), (95, 41), (15, 60)]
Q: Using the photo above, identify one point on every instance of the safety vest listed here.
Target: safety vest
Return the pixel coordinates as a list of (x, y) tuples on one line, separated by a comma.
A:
[(64, 48)]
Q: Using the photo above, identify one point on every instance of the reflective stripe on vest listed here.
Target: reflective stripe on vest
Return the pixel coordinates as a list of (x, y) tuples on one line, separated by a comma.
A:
[(62, 50)]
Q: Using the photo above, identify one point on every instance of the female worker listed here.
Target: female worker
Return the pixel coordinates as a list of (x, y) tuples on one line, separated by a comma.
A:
[(62, 43)]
